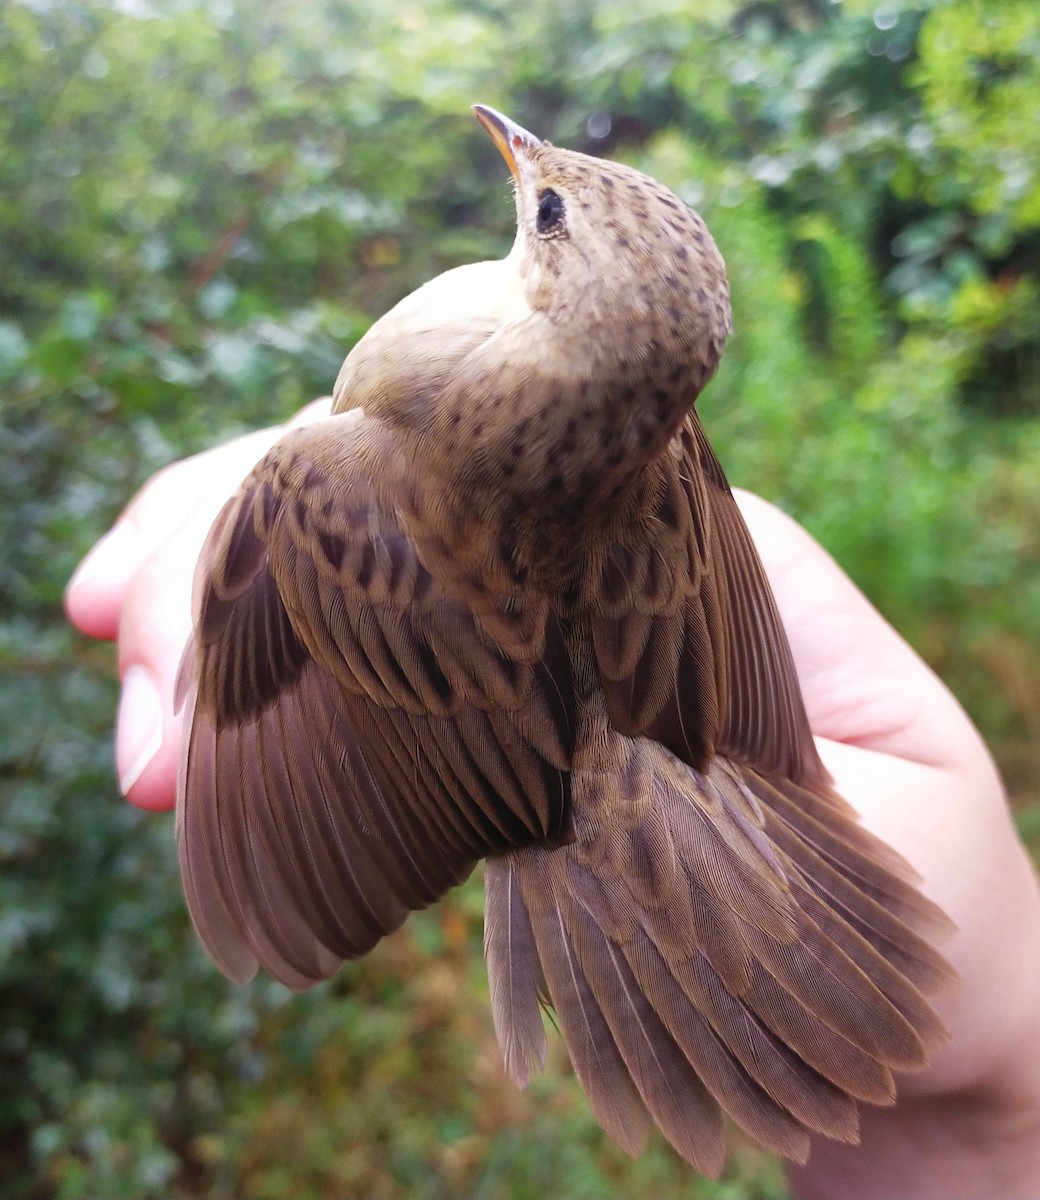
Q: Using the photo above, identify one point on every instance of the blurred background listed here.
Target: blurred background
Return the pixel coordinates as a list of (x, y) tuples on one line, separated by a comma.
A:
[(203, 204)]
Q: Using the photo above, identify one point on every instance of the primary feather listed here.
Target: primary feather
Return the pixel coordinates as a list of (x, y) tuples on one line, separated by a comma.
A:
[(502, 606)]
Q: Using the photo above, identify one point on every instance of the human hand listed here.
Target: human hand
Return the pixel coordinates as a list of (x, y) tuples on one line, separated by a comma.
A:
[(904, 753), (899, 747), (134, 588)]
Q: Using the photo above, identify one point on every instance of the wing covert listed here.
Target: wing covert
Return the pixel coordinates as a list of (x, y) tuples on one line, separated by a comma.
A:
[(690, 647), (362, 731)]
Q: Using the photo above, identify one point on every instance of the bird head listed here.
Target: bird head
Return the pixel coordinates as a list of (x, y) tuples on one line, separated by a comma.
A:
[(604, 248)]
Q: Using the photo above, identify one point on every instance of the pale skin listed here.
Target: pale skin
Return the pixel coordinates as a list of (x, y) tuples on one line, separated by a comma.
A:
[(897, 743)]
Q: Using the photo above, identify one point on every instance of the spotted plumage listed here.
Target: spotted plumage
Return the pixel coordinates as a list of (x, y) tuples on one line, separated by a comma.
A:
[(502, 606)]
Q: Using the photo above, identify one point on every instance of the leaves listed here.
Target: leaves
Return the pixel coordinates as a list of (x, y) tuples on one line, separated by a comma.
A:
[(202, 207)]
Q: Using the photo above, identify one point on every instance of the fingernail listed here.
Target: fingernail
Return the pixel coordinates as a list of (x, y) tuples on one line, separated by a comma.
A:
[(113, 557), (139, 726)]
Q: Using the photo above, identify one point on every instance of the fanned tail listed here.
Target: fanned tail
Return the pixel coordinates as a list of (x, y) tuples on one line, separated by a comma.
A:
[(727, 943)]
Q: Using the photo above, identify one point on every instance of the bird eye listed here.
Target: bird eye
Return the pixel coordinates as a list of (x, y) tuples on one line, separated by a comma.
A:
[(550, 211)]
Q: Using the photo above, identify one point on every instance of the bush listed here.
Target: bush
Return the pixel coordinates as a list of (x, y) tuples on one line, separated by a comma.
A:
[(202, 206)]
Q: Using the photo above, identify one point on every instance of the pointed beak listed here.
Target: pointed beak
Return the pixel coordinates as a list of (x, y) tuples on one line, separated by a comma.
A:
[(510, 138)]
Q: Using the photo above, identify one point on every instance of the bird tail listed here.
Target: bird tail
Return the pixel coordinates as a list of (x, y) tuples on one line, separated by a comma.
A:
[(725, 943)]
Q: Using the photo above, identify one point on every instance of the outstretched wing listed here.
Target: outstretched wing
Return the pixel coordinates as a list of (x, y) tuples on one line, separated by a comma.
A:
[(726, 938), (687, 637), (363, 730)]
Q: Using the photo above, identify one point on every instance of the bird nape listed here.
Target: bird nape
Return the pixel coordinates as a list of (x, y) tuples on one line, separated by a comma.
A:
[(501, 605)]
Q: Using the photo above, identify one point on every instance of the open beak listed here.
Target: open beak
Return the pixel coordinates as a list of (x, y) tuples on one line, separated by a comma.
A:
[(509, 137)]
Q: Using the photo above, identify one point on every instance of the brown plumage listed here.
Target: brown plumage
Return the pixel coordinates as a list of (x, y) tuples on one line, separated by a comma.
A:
[(502, 605)]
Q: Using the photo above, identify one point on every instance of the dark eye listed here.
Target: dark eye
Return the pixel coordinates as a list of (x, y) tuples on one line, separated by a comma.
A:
[(550, 211)]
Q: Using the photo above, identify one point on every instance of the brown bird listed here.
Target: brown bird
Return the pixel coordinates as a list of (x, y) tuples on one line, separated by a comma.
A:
[(502, 605)]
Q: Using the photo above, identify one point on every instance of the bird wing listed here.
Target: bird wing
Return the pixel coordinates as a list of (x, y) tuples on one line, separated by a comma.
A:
[(363, 729), (687, 637), (727, 937)]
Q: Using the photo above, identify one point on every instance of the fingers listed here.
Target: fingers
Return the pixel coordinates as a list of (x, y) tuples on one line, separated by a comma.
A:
[(981, 1092), (135, 587), (190, 491), (153, 628), (908, 759), (953, 826), (863, 685)]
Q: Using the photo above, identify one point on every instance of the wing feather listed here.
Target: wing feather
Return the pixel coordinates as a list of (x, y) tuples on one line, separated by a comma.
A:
[(362, 732), (702, 665)]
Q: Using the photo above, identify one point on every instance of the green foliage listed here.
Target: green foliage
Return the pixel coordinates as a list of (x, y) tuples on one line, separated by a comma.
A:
[(202, 206)]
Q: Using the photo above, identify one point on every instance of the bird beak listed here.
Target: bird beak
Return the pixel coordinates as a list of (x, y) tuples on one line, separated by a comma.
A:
[(509, 137)]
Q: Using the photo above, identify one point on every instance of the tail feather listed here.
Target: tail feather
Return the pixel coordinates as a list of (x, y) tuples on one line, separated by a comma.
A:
[(668, 1087), (606, 1078), (819, 826), (763, 1091), (821, 976), (833, 1057), (902, 943), (915, 1009), (514, 972), (720, 944)]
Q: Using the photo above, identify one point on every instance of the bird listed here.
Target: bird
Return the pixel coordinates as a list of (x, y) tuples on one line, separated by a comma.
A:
[(501, 605)]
